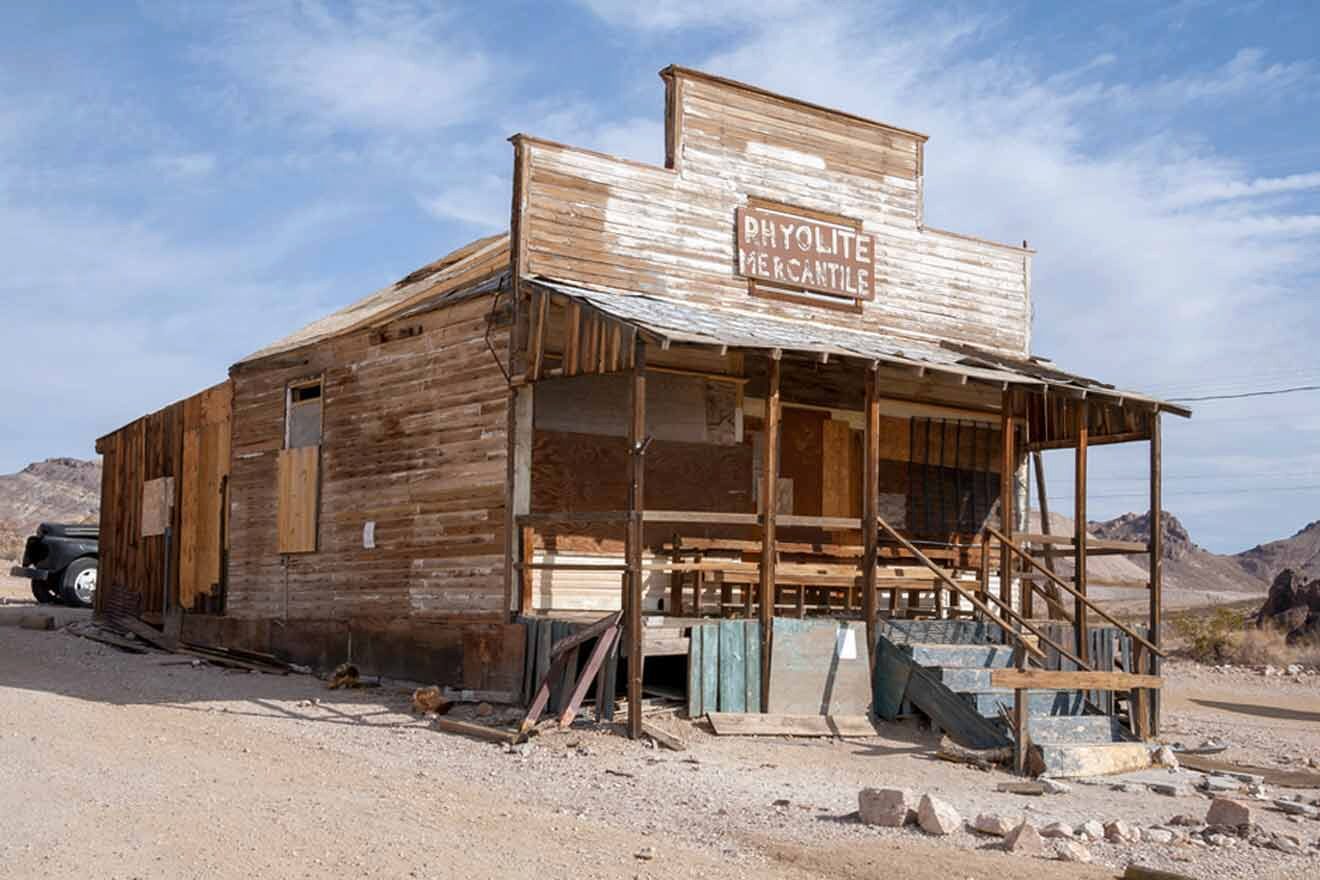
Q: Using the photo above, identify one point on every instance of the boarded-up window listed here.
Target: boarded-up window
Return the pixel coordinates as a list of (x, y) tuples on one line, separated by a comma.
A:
[(298, 499), (953, 476), (303, 415), (157, 506)]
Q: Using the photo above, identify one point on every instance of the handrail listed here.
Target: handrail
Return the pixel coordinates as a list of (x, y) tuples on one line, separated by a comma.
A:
[(969, 596), (1026, 624), (1064, 585)]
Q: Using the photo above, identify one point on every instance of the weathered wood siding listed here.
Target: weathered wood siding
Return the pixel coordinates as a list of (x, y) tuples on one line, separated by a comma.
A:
[(132, 569), (414, 441), (599, 221)]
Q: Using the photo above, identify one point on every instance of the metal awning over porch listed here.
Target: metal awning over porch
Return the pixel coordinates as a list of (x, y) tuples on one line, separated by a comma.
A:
[(670, 321)]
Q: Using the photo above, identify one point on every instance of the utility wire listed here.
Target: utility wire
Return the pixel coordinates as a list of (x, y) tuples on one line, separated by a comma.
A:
[(1272, 392)]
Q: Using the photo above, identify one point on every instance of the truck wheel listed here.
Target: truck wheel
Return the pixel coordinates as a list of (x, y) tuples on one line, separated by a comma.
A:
[(43, 593), (78, 586)]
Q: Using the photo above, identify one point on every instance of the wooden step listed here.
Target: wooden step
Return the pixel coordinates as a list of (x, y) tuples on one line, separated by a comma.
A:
[(1039, 703), (972, 656), (1076, 730)]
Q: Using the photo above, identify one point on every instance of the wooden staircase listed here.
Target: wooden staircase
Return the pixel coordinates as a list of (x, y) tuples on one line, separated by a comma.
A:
[(943, 669)]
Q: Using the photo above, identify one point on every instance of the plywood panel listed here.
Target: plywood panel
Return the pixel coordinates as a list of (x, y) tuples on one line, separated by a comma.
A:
[(157, 506), (818, 667), (802, 442), (202, 508), (838, 480), (298, 475)]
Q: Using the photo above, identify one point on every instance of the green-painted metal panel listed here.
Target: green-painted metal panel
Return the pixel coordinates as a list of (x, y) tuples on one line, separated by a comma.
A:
[(710, 666), (695, 707), (752, 666), (732, 668)]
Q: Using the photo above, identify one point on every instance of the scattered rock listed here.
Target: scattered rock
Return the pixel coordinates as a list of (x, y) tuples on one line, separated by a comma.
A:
[(887, 807), (1164, 757), (1024, 840), (992, 823), (937, 817), (1129, 788), (1221, 840), (1119, 831), (1226, 811), (1057, 829), (1170, 789), (646, 854), (485, 709), (1091, 830), (1286, 843), (1297, 808), (1071, 851), (1157, 835), (781, 802), (1186, 821), (1215, 784), (1053, 786)]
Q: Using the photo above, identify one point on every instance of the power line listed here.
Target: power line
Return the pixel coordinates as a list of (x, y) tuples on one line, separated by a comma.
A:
[(1269, 393), (1217, 492)]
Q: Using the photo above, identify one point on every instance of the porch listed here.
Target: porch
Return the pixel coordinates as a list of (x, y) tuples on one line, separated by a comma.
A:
[(831, 475)]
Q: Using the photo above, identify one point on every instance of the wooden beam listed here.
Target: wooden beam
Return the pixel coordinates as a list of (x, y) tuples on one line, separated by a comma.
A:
[(633, 542), (1081, 426), (770, 508), (870, 510), (573, 338), (598, 654), (1057, 680), (526, 544), (1007, 467), (1156, 560), (749, 724), (1038, 459)]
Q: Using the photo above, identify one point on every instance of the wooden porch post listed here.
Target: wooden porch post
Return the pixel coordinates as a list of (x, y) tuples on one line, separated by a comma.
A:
[(1156, 562), (633, 541), (770, 509), (1007, 491), (1082, 427), (871, 510)]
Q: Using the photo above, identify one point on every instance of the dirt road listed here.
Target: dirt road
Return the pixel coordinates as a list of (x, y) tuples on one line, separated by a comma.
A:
[(143, 766)]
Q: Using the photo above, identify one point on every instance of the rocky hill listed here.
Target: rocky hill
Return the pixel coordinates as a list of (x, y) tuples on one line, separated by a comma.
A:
[(54, 490), (1190, 571), (1301, 553), (1187, 566)]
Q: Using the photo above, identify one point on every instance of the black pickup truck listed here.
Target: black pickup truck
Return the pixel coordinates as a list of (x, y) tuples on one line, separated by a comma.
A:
[(61, 562)]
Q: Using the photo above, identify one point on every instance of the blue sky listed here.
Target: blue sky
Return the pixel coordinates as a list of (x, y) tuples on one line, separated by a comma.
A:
[(182, 183)]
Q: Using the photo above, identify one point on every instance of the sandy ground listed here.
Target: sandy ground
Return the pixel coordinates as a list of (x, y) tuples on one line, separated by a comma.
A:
[(143, 766)]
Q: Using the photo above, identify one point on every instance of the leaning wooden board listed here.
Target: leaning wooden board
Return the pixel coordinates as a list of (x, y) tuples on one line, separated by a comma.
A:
[(747, 724), (818, 667)]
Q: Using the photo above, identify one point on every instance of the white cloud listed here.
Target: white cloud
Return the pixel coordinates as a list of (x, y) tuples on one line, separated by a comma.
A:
[(371, 65), (483, 202), (185, 165), (676, 14)]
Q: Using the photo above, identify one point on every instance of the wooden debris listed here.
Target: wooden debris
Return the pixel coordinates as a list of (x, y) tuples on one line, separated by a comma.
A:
[(607, 628), (1271, 775), (480, 731), (985, 759), (753, 724), (429, 699), (663, 737), (143, 631), (1141, 872), (345, 676)]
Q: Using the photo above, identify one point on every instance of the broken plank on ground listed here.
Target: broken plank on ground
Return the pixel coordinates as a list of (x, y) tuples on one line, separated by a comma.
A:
[(756, 724), (480, 731), (663, 737)]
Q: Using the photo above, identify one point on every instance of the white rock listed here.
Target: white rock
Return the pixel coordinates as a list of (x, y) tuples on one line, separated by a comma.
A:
[(1221, 840), (937, 817), (1053, 786), (1071, 851), (1024, 840), (993, 823), (1119, 831), (887, 807), (1157, 835), (1057, 829), (1164, 757), (1226, 811), (1092, 830)]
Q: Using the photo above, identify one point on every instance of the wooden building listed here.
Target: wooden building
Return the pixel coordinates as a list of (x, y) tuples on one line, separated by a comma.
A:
[(752, 383)]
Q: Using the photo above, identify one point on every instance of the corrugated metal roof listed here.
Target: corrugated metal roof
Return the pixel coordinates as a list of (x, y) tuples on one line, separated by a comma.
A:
[(681, 322), (446, 274)]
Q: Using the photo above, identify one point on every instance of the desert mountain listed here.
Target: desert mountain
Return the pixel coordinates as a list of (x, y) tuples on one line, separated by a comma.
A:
[(1301, 553), (54, 490), (1188, 568)]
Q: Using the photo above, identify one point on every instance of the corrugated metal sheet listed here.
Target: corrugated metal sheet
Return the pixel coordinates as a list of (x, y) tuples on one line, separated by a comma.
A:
[(684, 323)]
